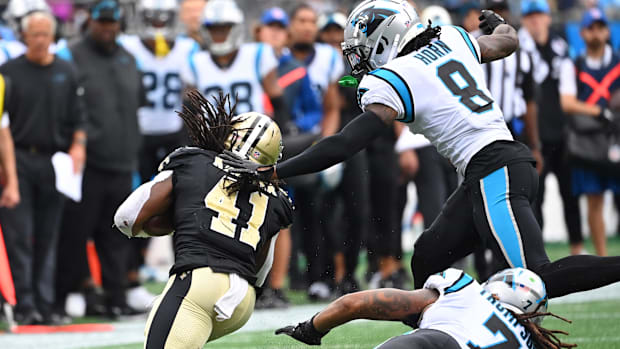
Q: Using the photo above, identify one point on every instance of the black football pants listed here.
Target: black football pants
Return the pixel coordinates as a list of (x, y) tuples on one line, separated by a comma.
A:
[(496, 211)]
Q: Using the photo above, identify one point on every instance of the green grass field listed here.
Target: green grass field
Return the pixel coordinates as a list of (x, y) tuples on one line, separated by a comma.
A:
[(596, 325)]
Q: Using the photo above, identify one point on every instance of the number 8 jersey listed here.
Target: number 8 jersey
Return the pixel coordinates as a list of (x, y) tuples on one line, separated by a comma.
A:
[(441, 92), (212, 228)]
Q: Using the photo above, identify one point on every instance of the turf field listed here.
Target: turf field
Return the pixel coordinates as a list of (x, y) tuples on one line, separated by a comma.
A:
[(596, 325), (595, 315)]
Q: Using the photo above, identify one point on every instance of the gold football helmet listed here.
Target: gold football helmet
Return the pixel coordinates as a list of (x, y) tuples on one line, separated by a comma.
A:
[(256, 137)]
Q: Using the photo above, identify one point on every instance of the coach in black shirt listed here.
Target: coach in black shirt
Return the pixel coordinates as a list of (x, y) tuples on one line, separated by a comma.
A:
[(45, 117), (113, 92)]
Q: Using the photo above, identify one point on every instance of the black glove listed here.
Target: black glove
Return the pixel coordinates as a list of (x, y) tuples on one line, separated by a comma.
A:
[(247, 168), (489, 20), (303, 332)]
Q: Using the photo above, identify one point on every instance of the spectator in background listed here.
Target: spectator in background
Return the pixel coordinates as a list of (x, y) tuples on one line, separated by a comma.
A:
[(15, 11), (304, 110), (113, 94), (348, 229), (585, 89), (469, 12), (190, 14), (547, 50), (46, 116), (9, 197), (324, 66)]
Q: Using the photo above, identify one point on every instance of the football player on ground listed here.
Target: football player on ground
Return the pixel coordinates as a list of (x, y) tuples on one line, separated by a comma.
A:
[(224, 229), (431, 78), (244, 71), (456, 313)]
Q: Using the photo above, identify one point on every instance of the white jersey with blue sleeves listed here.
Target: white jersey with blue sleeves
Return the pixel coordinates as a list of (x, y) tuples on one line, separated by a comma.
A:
[(161, 78), (470, 315), (325, 68), (243, 78), (440, 91)]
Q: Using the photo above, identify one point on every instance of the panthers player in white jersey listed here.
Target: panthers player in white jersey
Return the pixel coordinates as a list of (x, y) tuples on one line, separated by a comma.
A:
[(246, 71), (456, 313), (160, 54), (431, 79)]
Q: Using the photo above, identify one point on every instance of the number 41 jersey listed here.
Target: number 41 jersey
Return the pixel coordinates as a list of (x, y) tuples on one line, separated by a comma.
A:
[(470, 315), (440, 91), (212, 228)]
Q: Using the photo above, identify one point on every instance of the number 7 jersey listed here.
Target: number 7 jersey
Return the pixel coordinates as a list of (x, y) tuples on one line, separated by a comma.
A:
[(213, 228), (440, 91)]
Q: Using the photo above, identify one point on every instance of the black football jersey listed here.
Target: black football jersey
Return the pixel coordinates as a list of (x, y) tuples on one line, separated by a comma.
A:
[(216, 229)]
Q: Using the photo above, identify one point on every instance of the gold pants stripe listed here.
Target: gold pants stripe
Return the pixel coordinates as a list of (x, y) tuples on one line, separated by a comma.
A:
[(183, 316)]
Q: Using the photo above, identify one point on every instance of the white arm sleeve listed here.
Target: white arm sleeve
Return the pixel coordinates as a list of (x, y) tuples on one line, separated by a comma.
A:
[(188, 70), (127, 212), (268, 61), (568, 78), (264, 270), (5, 122)]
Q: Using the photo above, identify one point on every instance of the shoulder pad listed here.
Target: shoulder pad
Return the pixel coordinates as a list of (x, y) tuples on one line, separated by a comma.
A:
[(173, 159), (448, 281)]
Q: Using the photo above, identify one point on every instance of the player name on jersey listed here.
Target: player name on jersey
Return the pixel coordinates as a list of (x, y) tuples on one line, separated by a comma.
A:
[(433, 52)]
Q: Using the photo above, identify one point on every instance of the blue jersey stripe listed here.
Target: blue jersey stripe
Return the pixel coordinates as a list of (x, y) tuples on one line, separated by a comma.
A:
[(402, 90), (259, 54), (461, 283), (468, 41), (495, 195)]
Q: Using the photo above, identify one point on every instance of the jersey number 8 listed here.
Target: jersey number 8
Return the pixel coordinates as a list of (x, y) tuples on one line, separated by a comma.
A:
[(464, 87), (232, 213)]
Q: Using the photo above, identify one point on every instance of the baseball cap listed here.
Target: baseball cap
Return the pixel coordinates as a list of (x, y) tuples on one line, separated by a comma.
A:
[(106, 10), (496, 5), (334, 18), (275, 15), (534, 6), (593, 15)]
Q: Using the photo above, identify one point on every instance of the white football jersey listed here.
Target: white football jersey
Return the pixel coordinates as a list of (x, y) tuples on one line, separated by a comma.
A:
[(440, 91), (10, 49), (161, 78), (243, 78), (325, 67), (470, 315)]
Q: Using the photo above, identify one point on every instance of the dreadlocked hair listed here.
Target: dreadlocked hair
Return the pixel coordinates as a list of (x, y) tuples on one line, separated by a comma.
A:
[(209, 124), (542, 337), (421, 40)]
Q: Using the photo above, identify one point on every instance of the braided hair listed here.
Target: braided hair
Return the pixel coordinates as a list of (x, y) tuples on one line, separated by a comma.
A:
[(542, 337), (210, 125), (421, 40)]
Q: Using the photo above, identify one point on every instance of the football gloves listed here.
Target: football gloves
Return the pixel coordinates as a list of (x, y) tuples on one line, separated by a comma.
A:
[(246, 168), (303, 332), (489, 20)]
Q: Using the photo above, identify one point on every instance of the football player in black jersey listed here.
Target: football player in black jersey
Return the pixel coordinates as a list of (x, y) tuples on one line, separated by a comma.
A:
[(224, 229)]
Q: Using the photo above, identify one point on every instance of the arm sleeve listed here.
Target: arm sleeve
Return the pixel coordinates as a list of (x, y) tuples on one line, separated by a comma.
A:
[(568, 78), (188, 70), (267, 60), (77, 107), (334, 149), (337, 67)]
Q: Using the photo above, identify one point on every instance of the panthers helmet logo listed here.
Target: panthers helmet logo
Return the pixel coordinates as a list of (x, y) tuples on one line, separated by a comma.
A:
[(370, 19)]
